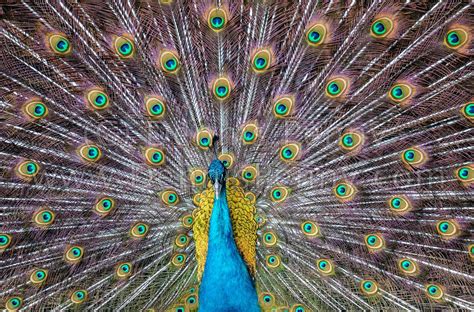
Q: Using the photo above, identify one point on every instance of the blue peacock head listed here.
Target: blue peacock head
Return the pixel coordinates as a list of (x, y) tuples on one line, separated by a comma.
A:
[(216, 173)]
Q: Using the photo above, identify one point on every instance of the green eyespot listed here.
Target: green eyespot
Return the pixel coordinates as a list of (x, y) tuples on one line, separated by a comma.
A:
[(197, 177), (89, 152), (337, 87), (382, 27), (79, 296), (470, 251), (351, 141), (123, 270), (191, 301), (434, 292), (169, 198), (344, 191), (169, 61), (14, 303), (38, 276), (27, 169), (227, 160), (154, 156), (290, 152), (124, 47), (468, 111), (178, 260), (399, 204), (181, 241), (221, 88), (414, 157), (369, 287), (325, 267), (266, 299), (74, 254), (310, 229), (456, 38), (448, 229), (43, 217), (249, 133), (278, 194), (273, 261), (59, 44), (296, 308), (187, 221), (269, 239), (139, 230), (217, 19), (35, 109), (204, 139), (401, 93), (408, 267), (316, 34), (97, 99), (262, 60), (104, 206), (374, 242), (283, 106), (249, 173), (155, 107), (465, 174), (5, 241)]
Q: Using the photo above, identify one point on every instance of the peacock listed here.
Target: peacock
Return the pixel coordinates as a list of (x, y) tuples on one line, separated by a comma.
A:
[(185, 155)]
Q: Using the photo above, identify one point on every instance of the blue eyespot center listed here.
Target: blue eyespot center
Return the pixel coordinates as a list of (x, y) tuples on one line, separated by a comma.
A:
[(46, 216), (217, 22), (39, 110), (371, 240), (397, 92), (205, 141), (221, 91), (282, 109), (62, 45), (31, 168), (100, 100), (171, 64), (347, 140), (469, 109), (260, 63), (379, 28), (410, 155), (464, 173), (126, 48), (453, 38), (333, 88), (314, 36), (341, 190)]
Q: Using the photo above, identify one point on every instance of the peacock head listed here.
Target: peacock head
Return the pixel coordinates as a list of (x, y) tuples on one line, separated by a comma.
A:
[(216, 173)]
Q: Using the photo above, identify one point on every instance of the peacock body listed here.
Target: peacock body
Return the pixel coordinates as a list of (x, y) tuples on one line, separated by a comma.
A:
[(236, 155)]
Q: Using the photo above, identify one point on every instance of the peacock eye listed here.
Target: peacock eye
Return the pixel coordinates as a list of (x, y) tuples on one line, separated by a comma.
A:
[(447, 228), (123, 270), (27, 169), (44, 217), (344, 191), (283, 106), (74, 254), (227, 160), (35, 110), (79, 296), (187, 221), (178, 260), (154, 156), (38, 276), (278, 194), (191, 301), (269, 239), (262, 60), (249, 173), (169, 61), (104, 206), (470, 251), (14, 303), (351, 141), (434, 292), (316, 34), (181, 241), (325, 266), (465, 174), (260, 220), (197, 177), (249, 133), (204, 139), (124, 47), (414, 157), (217, 19), (89, 152), (139, 230), (399, 204), (59, 44), (400, 93), (221, 88), (309, 228), (290, 152), (337, 87), (169, 198), (155, 107), (374, 242), (369, 287), (408, 267), (382, 27), (297, 308), (266, 299), (456, 38), (468, 111), (97, 99), (273, 261), (5, 241)]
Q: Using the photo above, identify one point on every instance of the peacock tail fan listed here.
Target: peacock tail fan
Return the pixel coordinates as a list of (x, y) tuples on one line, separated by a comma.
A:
[(345, 129)]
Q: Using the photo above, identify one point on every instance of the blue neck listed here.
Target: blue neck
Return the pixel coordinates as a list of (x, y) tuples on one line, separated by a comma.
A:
[(226, 283)]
